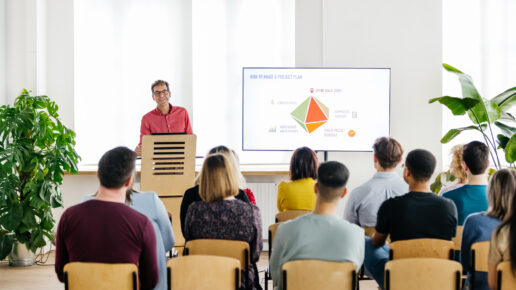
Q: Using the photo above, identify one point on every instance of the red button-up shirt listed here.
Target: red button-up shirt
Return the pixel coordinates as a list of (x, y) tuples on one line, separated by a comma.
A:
[(176, 121)]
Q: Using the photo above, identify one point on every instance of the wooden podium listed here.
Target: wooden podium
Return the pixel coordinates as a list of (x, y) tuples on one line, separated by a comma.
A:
[(168, 168)]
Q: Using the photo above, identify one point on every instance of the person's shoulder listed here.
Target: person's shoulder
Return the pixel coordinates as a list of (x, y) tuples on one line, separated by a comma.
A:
[(454, 193), (77, 208), (246, 205), (364, 187), (400, 198), (150, 114), (349, 227), (179, 109)]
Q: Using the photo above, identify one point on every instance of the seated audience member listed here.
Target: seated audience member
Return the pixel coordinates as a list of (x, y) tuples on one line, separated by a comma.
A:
[(364, 201), (479, 227), (322, 234), (456, 169), (192, 194), (248, 192), (149, 204), (417, 214), (298, 194), (472, 197), (221, 216), (104, 229), (503, 245)]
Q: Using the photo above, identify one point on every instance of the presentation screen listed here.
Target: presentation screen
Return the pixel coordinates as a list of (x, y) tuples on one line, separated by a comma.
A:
[(331, 109)]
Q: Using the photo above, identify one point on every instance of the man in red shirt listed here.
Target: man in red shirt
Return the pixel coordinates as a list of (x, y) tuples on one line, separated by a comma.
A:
[(104, 229), (165, 118)]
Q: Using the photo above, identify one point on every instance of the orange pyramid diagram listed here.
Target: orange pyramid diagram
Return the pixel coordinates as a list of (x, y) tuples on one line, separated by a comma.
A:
[(311, 114)]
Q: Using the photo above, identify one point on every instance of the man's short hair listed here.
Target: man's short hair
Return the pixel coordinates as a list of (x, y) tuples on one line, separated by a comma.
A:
[(116, 166), (388, 151), (421, 164), (476, 156), (159, 82), (332, 177)]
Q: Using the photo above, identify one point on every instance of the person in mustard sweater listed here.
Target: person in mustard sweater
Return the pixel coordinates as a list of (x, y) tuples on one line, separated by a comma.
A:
[(298, 194)]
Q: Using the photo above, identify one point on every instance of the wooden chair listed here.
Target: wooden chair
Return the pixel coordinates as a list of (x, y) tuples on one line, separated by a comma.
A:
[(272, 232), (80, 275), (226, 248), (421, 248), (290, 215), (318, 274), (423, 274), (478, 259), (457, 240), (506, 278), (203, 272)]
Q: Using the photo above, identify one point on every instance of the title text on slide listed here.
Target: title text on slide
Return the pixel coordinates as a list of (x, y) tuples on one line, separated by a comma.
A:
[(277, 76)]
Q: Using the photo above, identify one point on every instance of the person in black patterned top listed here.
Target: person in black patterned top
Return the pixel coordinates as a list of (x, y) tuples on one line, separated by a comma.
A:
[(221, 216)]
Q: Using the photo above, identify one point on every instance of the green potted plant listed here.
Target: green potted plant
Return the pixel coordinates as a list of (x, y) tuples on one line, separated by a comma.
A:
[(35, 151), (483, 114)]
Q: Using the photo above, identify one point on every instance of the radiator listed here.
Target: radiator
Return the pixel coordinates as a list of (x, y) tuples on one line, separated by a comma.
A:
[(265, 195)]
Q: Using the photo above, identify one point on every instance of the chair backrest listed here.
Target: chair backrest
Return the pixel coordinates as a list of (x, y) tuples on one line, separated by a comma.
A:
[(506, 278), (203, 272), (290, 215), (457, 240), (226, 248), (81, 275), (422, 274), (318, 274), (479, 254), (272, 232), (421, 248)]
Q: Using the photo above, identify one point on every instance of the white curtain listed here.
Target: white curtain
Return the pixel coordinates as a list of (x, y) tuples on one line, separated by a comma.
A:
[(121, 47), (198, 46), (479, 38), (229, 35)]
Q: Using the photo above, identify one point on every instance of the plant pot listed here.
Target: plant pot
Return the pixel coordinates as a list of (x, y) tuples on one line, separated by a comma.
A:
[(20, 256)]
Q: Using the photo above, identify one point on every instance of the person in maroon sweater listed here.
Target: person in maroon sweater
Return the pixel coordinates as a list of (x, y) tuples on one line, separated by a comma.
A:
[(104, 229)]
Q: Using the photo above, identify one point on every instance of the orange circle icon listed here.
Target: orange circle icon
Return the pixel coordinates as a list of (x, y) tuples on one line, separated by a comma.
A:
[(351, 133)]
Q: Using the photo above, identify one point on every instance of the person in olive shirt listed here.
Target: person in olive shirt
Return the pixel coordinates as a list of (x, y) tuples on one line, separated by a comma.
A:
[(417, 214)]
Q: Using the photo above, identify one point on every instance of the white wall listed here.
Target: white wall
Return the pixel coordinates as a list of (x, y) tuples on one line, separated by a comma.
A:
[(21, 22), (60, 57), (2, 53), (401, 34), (404, 35)]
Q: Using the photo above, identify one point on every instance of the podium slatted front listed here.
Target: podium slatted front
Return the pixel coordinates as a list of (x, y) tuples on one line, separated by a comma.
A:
[(168, 168)]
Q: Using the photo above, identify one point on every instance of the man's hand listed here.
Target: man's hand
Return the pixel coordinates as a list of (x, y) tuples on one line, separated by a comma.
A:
[(138, 150), (378, 239)]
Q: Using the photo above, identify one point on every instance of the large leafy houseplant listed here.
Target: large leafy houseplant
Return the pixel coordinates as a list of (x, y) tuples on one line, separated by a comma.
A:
[(483, 114), (35, 151)]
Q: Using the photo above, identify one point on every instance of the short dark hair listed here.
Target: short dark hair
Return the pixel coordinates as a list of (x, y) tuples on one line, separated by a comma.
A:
[(421, 164), (388, 151), (159, 82), (303, 164), (332, 176), (116, 166), (476, 156)]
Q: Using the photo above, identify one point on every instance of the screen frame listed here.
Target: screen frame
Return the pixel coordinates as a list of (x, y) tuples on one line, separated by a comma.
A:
[(309, 68)]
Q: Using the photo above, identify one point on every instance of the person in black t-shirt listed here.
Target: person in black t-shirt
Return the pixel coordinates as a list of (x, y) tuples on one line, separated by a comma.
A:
[(417, 214)]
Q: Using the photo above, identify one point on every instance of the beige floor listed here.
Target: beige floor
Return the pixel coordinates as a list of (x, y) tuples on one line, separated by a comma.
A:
[(42, 277)]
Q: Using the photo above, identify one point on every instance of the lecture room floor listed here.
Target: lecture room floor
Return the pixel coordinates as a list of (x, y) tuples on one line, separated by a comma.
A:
[(42, 277)]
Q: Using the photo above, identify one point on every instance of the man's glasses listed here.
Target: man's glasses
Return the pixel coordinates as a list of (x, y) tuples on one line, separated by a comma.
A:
[(157, 93)]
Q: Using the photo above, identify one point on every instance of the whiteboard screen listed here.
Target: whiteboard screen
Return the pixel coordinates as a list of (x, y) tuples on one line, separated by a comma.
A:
[(332, 109)]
